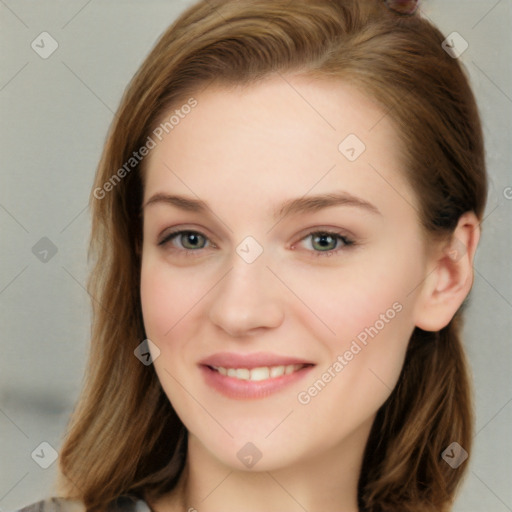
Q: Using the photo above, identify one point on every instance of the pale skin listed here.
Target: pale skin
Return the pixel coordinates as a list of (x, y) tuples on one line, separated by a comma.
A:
[(244, 152)]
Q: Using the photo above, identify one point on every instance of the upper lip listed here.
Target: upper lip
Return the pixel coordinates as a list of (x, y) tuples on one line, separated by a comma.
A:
[(249, 361)]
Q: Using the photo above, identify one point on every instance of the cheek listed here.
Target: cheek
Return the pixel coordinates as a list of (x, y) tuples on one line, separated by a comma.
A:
[(369, 292), (168, 298), (370, 309), (156, 302)]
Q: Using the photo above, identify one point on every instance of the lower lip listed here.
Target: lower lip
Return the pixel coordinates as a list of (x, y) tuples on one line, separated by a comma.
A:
[(246, 389)]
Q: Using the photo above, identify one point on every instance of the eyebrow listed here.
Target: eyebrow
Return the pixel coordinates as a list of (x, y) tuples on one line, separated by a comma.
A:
[(291, 206)]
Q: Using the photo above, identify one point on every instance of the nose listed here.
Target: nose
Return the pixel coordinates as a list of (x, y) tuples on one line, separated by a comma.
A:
[(247, 299)]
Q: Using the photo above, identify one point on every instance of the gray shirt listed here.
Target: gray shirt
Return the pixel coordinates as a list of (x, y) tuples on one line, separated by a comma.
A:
[(124, 503)]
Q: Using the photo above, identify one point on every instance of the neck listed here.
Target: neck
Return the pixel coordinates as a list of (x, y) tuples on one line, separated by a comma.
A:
[(324, 481)]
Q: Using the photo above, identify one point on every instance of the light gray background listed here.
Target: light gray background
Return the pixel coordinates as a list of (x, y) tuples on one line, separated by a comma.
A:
[(55, 114)]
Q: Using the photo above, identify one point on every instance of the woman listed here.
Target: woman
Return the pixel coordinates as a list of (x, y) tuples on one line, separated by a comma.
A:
[(285, 218)]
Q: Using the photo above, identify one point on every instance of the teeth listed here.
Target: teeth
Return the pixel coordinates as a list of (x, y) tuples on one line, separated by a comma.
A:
[(258, 374), (289, 369), (276, 371), (243, 374)]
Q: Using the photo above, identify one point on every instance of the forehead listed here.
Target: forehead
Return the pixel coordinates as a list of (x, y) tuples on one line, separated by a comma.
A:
[(280, 137)]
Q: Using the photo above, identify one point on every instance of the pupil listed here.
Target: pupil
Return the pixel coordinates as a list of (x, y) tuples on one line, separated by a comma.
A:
[(324, 240), (192, 239)]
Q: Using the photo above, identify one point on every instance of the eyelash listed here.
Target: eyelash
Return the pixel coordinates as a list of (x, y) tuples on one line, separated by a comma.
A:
[(347, 242)]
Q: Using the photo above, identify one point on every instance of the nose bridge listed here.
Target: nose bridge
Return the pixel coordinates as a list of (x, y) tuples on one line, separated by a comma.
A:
[(244, 278), (247, 297)]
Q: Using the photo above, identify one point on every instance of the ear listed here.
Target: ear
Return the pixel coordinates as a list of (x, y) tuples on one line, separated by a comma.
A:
[(446, 287)]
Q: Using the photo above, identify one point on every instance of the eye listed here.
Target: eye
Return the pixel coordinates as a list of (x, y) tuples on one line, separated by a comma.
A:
[(188, 241), (327, 243), (323, 243)]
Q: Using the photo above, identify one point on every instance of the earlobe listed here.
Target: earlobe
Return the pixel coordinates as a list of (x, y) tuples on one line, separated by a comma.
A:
[(451, 279)]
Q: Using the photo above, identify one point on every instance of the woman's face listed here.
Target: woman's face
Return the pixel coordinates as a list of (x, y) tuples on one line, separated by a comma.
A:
[(283, 310)]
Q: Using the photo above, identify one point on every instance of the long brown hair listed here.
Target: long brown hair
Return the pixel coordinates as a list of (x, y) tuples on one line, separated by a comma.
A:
[(124, 435)]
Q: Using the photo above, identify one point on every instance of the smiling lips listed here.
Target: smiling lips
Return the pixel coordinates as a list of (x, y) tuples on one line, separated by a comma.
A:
[(242, 376)]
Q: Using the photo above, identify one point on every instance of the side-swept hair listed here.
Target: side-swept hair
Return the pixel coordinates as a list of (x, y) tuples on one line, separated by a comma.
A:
[(124, 435)]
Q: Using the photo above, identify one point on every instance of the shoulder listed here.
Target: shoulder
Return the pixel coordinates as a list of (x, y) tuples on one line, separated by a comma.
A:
[(124, 503), (53, 505)]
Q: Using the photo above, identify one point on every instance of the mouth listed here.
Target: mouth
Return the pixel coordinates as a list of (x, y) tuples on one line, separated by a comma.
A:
[(254, 376)]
